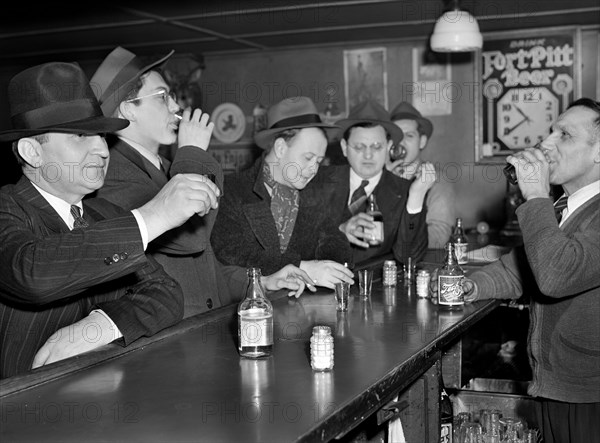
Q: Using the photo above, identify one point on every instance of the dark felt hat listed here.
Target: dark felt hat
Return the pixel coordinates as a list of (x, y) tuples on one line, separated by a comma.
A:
[(55, 97), (116, 76), (370, 111), (406, 111), (290, 113)]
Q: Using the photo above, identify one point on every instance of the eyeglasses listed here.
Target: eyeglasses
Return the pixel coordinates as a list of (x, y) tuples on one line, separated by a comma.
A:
[(362, 147), (163, 93)]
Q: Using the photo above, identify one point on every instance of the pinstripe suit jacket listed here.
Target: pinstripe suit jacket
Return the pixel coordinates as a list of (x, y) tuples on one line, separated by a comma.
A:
[(184, 252), (404, 234), (51, 277)]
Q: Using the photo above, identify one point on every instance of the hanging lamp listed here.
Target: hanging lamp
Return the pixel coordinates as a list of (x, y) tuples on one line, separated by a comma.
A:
[(456, 31)]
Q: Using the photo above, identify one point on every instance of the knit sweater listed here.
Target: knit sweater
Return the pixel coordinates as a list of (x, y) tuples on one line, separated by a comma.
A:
[(564, 333)]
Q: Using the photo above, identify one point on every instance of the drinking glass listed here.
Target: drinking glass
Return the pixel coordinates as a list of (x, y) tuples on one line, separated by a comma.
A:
[(342, 293), (470, 432), (365, 282)]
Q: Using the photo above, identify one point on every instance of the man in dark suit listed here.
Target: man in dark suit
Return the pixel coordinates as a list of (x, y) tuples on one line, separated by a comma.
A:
[(70, 282), (131, 88), (367, 137)]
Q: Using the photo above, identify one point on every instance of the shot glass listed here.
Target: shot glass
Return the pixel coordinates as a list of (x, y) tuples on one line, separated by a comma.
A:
[(342, 294), (365, 282)]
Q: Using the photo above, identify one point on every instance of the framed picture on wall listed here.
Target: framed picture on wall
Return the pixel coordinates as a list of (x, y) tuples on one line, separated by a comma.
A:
[(365, 76), (527, 79)]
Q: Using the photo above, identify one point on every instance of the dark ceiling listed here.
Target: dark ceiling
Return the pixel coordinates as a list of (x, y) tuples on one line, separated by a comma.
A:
[(84, 31)]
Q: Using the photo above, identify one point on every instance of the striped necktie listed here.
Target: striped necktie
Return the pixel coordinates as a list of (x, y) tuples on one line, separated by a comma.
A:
[(359, 197), (79, 222), (559, 206)]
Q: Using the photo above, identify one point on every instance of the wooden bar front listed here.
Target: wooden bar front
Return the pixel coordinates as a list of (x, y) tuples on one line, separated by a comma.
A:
[(189, 383)]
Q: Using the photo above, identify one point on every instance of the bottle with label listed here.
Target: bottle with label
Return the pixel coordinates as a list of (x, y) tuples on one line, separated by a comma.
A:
[(450, 281), (255, 320), (375, 234), (460, 242), (446, 414)]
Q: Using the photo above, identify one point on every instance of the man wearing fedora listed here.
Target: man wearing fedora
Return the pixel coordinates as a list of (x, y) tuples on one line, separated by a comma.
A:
[(64, 273), (367, 137), (132, 88), (440, 199), (270, 214)]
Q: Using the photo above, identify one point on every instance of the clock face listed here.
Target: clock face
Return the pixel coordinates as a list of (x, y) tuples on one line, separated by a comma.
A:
[(524, 116)]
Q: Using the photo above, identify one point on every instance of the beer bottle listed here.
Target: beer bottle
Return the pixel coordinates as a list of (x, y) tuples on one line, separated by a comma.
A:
[(460, 242), (376, 234), (450, 281), (255, 320), (446, 414)]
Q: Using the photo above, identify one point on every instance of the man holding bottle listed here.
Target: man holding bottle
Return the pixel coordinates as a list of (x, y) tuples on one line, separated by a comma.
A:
[(367, 136)]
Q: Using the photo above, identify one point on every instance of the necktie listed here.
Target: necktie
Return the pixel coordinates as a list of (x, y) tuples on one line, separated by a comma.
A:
[(359, 197), (559, 206), (79, 221)]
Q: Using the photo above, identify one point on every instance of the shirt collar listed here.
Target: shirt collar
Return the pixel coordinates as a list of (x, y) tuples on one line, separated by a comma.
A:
[(579, 197), (355, 182), (146, 153), (60, 206)]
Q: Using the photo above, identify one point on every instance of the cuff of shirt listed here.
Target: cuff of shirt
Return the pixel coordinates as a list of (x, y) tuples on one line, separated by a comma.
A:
[(412, 210), (117, 332), (142, 225)]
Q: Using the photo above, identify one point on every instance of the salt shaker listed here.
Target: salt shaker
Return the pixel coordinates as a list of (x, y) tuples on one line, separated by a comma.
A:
[(321, 349), (423, 283), (390, 273)]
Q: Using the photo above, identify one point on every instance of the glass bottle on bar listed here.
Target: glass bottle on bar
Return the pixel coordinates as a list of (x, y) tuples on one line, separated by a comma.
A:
[(450, 281), (255, 320), (460, 242), (376, 234)]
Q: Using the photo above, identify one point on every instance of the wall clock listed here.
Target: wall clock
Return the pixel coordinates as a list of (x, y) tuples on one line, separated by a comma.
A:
[(527, 80)]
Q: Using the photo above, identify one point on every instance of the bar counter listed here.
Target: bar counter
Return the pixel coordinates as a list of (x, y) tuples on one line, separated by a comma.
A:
[(188, 383)]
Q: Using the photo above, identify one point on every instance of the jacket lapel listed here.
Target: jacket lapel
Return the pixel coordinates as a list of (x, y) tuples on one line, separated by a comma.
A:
[(46, 212), (137, 159), (258, 213)]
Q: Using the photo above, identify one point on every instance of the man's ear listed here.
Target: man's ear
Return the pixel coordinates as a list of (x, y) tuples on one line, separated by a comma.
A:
[(422, 141), (280, 147), (344, 146), (30, 151), (126, 111)]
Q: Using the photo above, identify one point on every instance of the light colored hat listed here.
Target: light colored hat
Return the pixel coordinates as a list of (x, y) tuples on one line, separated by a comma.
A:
[(55, 97), (116, 76), (290, 113)]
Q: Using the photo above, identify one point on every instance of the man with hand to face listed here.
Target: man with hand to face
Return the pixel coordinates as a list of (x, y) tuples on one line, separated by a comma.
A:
[(367, 137), (562, 257), (134, 88), (74, 274), (440, 197)]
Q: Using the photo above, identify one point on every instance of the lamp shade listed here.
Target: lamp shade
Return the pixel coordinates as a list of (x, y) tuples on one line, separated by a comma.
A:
[(456, 31)]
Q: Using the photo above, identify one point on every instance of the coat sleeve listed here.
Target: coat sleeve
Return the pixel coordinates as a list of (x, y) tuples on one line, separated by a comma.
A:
[(38, 268), (412, 237), (143, 303)]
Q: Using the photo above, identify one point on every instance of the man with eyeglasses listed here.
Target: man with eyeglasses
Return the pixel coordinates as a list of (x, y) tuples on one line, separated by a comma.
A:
[(367, 137), (132, 88)]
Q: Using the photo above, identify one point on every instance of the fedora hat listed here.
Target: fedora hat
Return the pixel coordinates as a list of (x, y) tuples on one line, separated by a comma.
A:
[(290, 113), (406, 111), (116, 76), (55, 97), (370, 111)]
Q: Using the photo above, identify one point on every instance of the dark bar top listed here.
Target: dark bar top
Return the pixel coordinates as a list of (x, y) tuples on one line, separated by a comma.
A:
[(190, 384)]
